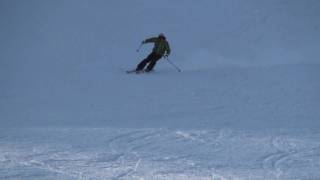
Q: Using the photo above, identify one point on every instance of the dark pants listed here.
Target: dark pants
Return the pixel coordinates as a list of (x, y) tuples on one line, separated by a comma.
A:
[(151, 59)]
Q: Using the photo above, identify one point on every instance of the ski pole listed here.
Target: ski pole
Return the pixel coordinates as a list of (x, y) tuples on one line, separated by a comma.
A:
[(139, 47), (179, 70)]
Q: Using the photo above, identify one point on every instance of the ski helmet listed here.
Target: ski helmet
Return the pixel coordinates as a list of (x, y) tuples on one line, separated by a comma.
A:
[(161, 35)]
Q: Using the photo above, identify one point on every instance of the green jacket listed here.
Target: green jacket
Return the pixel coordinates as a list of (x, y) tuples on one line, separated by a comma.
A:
[(161, 46)]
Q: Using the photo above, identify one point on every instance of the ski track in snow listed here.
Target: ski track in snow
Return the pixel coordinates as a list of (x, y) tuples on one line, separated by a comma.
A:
[(108, 153), (285, 154)]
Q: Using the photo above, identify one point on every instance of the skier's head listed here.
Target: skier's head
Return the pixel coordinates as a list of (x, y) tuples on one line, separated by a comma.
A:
[(161, 36)]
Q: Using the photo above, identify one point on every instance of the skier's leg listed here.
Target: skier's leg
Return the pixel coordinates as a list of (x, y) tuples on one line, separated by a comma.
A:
[(144, 62), (153, 62)]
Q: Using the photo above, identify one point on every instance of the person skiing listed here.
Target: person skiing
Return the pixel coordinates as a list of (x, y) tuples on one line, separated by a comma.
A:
[(161, 49)]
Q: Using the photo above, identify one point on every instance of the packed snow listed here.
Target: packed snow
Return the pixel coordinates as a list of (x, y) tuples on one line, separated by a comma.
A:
[(245, 106), (158, 153)]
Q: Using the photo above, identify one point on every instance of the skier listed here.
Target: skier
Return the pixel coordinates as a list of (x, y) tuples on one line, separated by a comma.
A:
[(161, 49)]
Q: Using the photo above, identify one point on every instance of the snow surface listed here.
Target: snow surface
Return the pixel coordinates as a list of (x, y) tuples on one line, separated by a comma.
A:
[(158, 153), (246, 106)]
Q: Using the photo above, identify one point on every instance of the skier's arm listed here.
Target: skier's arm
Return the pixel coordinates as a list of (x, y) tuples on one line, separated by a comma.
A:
[(150, 40)]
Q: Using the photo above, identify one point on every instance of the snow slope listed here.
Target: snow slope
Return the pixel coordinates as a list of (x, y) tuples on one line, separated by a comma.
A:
[(275, 97), (246, 105), (214, 124), (109, 153), (62, 61)]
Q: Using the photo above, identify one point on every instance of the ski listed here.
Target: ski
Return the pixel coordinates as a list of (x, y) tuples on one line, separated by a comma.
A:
[(138, 72), (134, 71)]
